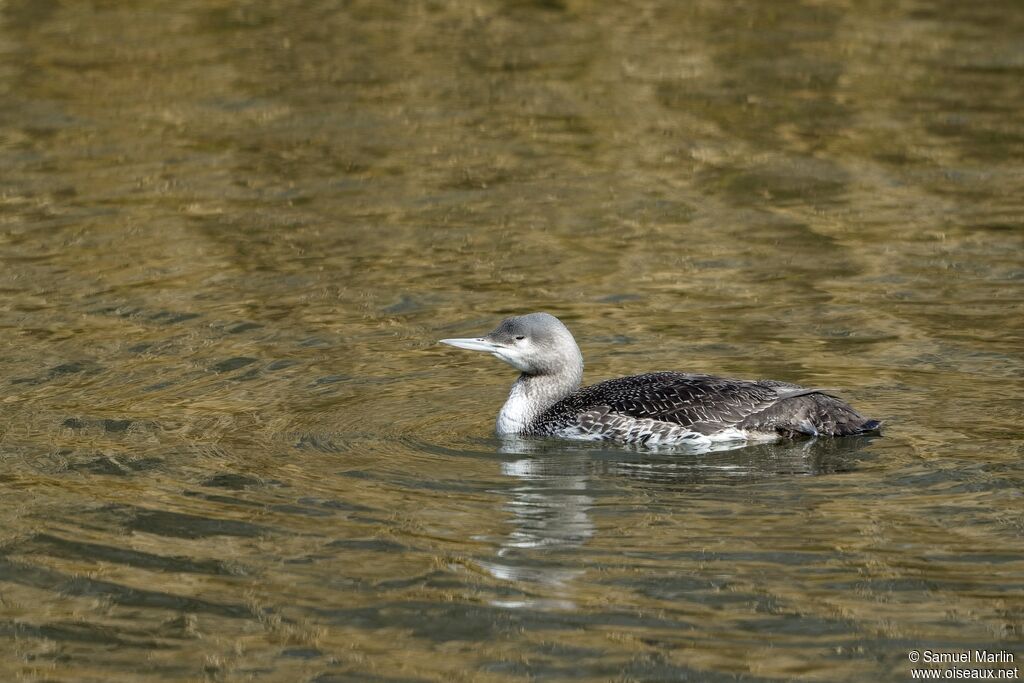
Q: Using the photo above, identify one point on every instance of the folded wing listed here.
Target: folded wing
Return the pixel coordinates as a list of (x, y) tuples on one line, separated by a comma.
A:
[(706, 404)]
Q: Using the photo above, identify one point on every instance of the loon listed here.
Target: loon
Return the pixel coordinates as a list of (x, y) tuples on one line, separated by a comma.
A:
[(653, 409)]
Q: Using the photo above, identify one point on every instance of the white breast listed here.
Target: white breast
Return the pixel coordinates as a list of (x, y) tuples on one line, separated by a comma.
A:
[(517, 413)]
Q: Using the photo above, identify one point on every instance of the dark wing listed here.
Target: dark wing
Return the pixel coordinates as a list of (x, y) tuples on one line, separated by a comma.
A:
[(707, 404), (699, 402)]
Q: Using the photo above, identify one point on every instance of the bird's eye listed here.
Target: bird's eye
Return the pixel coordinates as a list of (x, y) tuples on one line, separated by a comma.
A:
[(520, 338)]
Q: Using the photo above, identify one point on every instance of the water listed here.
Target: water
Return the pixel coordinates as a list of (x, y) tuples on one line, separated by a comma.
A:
[(231, 233)]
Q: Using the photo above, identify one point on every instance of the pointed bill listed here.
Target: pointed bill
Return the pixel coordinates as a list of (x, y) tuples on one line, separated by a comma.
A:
[(472, 344)]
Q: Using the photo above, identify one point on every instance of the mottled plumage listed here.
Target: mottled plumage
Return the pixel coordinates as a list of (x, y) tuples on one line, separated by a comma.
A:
[(651, 409), (661, 407)]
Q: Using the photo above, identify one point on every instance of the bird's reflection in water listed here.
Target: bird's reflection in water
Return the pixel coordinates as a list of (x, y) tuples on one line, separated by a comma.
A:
[(745, 463), (549, 506), (551, 500)]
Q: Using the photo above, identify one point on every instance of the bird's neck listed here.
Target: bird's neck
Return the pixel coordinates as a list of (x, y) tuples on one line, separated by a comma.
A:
[(531, 395)]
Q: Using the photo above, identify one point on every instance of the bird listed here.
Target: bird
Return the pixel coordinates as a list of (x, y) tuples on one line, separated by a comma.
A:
[(648, 410)]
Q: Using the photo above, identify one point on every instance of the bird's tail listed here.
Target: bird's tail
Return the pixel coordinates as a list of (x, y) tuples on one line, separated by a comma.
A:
[(870, 427)]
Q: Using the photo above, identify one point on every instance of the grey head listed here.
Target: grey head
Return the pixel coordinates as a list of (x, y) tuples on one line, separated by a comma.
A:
[(537, 344)]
